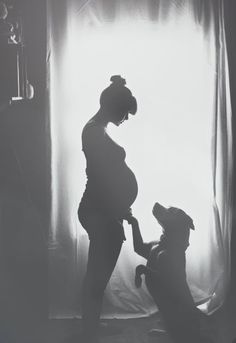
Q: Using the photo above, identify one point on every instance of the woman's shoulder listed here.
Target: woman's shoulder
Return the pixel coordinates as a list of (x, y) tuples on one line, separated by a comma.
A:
[(91, 124), (92, 128), (92, 133)]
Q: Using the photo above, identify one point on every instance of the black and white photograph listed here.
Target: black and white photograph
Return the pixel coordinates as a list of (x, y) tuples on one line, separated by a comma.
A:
[(117, 171)]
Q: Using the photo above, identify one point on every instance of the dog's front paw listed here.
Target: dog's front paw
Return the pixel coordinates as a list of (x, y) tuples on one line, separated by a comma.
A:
[(138, 272), (140, 269), (138, 281)]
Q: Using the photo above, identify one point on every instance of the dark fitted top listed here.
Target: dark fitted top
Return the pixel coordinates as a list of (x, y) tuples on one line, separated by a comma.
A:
[(111, 185)]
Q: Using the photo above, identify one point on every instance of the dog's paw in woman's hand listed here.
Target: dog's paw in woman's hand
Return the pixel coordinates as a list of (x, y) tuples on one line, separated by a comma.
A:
[(131, 219), (128, 215), (138, 272)]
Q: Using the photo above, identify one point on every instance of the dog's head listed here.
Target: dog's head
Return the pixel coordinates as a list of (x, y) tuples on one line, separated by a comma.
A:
[(174, 221), (172, 217)]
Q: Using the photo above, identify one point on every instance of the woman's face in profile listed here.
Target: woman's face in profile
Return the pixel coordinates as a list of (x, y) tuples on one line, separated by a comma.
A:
[(119, 117)]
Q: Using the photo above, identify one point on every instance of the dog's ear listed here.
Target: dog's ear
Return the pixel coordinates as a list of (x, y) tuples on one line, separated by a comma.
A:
[(186, 220), (189, 222)]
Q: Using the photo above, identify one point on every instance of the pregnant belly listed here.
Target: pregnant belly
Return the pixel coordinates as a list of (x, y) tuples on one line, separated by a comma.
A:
[(124, 189), (115, 192)]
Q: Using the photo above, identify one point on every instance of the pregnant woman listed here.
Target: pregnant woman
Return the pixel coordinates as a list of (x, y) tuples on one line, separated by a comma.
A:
[(110, 191)]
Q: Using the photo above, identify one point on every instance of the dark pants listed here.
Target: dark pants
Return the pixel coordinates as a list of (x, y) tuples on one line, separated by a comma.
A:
[(106, 238)]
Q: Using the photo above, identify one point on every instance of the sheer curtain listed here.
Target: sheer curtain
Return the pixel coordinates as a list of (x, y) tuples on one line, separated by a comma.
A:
[(173, 56)]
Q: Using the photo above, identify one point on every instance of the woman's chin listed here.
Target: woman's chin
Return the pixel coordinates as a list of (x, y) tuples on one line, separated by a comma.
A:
[(117, 123)]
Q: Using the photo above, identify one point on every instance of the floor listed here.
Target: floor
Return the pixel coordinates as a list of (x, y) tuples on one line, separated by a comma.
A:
[(220, 327)]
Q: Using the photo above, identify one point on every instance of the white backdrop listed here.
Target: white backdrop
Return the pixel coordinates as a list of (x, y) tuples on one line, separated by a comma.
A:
[(178, 144)]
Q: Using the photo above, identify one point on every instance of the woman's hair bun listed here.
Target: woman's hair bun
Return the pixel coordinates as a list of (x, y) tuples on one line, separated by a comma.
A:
[(117, 80), (117, 97)]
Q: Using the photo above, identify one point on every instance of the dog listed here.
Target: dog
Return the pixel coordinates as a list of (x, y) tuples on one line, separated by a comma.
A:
[(165, 273)]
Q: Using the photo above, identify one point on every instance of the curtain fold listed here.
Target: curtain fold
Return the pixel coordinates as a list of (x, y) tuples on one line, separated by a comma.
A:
[(222, 153), (173, 54), (230, 26)]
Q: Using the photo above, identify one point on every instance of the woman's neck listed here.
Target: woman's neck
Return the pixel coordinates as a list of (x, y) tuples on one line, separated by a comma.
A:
[(101, 118)]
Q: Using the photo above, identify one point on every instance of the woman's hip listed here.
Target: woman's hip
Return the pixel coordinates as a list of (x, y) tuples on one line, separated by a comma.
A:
[(99, 224)]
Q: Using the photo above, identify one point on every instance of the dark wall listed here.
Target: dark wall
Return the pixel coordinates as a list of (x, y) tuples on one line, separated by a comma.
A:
[(25, 193), (26, 122), (25, 183), (230, 24)]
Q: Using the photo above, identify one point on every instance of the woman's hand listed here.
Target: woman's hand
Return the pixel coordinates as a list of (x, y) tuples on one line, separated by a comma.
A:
[(130, 218), (128, 215), (133, 221)]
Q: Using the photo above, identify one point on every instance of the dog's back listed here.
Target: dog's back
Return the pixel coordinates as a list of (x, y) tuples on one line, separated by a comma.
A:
[(169, 278), (165, 273), (166, 279), (168, 286)]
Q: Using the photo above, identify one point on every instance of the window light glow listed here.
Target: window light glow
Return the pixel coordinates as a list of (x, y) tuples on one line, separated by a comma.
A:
[(168, 142)]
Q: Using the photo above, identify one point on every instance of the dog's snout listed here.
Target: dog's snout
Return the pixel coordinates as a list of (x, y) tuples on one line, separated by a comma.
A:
[(154, 208), (159, 211), (157, 207)]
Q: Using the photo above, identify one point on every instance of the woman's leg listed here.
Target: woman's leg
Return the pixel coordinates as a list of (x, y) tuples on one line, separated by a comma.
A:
[(102, 258)]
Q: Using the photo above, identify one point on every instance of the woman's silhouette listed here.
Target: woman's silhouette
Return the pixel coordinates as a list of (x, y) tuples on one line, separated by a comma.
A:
[(110, 191)]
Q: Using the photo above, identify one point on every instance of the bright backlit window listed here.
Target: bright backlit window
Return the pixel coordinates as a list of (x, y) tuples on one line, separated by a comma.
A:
[(171, 70)]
